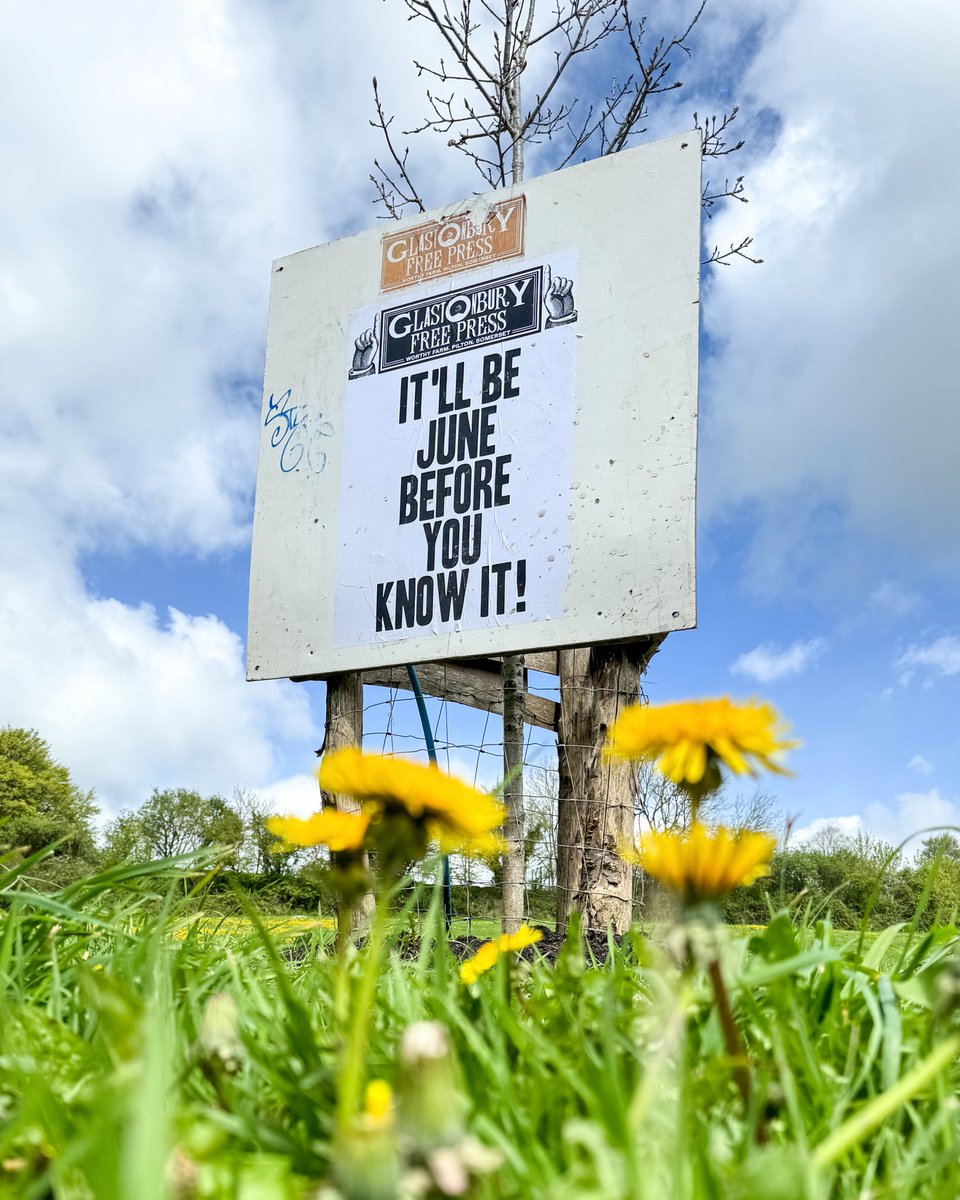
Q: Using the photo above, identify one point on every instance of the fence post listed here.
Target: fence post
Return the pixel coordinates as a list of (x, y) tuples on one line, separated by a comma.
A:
[(344, 727), (572, 735), (596, 798), (513, 864)]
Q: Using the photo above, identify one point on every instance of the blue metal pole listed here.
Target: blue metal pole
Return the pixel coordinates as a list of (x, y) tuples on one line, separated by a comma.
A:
[(432, 755)]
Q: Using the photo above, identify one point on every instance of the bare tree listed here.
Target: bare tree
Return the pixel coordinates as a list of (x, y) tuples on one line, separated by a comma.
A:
[(260, 852), (830, 839), (661, 805), (665, 807), (541, 829), (875, 850), (504, 81), (755, 811), (475, 100)]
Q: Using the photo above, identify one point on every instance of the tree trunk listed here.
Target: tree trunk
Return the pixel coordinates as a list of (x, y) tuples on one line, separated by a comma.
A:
[(344, 727), (596, 798), (512, 670), (513, 865)]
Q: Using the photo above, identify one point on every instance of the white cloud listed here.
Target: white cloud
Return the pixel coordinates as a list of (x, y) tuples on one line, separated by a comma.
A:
[(297, 796), (829, 406), (162, 156), (130, 700), (921, 764), (910, 813), (938, 658), (845, 826), (895, 599), (766, 663), (160, 163)]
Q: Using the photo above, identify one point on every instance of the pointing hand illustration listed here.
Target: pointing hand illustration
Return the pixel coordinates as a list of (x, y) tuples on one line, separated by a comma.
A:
[(559, 302), (365, 349)]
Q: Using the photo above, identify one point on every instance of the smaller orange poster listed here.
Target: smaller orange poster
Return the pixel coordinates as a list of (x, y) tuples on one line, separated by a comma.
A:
[(457, 243)]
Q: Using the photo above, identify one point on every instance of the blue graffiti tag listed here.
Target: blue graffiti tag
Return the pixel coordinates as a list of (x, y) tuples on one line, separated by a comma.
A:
[(285, 420), (295, 434)]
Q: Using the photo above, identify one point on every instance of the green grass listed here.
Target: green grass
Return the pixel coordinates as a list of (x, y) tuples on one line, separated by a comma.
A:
[(481, 927), (148, 1053)]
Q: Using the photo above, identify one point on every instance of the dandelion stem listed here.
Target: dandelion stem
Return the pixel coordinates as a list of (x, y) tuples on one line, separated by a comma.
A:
[(342, 973), (354, 1050), (731, 1035)]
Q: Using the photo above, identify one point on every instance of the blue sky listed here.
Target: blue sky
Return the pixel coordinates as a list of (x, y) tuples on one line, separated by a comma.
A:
[(162, 156)]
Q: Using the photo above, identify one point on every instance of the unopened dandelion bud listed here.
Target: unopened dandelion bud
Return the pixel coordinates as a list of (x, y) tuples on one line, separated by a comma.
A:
[(219, 1033), (425, 1039), (430, 1109), (368, 1161), (948, 990), (367, 1164), (449, 1171)]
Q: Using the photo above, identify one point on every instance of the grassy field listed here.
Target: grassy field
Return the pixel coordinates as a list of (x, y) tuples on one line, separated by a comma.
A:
[(148, 1052)]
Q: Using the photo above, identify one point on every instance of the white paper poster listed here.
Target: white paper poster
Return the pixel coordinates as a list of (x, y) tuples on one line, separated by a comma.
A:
[(457, 455)]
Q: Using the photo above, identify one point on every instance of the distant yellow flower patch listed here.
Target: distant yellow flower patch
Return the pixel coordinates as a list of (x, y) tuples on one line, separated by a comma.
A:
[(487, 954), (703, 864), (682, 739), (301, 925), (222, 928)]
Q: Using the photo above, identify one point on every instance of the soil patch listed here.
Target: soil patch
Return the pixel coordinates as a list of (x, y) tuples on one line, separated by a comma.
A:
[(595, 946)]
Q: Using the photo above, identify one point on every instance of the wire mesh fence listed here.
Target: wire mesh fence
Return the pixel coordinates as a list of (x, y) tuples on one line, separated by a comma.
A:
[(569, 841)]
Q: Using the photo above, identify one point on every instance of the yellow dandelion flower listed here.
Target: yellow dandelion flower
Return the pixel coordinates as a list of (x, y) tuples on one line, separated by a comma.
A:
[(480, 845), (524, 936), (378, 1103), (687, 740), (703, 864), (487, 954), (458, 816), (472, 968), (338, 831)]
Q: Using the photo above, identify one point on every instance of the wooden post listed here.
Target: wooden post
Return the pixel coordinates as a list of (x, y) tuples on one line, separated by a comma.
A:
[(344, 727), (596, 798), (513, 865), (572, 770)]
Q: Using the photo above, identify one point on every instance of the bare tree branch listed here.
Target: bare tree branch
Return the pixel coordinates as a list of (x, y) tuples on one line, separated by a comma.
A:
[(712, 130), (483, 115), (390, 193), (728, 192), (715, 258), (457, 37), (653, 75)]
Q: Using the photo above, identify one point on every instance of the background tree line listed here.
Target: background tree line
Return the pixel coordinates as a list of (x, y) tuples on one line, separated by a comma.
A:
[(851, 877)]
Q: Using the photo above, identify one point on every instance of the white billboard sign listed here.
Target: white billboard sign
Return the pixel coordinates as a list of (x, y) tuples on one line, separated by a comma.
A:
[(479, 429)]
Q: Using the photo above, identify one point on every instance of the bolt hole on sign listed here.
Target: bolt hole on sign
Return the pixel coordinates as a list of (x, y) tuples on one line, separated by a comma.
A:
[(478, 433)]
